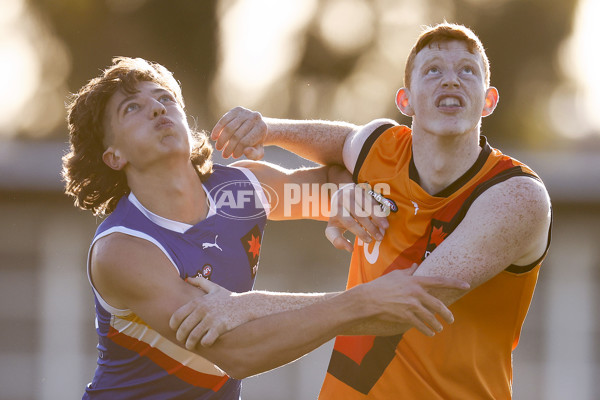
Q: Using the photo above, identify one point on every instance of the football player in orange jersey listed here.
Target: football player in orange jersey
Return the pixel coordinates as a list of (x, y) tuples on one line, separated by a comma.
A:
[(462, 209)]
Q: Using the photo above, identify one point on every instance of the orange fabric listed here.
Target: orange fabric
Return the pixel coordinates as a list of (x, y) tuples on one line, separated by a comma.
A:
[(469, 359), (173, 367)]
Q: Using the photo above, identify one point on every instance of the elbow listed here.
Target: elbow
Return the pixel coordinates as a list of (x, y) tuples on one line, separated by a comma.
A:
[(241, 368), (238, 373)]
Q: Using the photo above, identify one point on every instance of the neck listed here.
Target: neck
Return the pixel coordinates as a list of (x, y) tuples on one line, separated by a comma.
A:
[(175, 194), (442, 160)]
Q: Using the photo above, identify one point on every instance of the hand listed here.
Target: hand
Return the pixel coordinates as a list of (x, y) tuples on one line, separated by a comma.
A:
[(240, 132), (403, 298), (207, 317), (354, 209)]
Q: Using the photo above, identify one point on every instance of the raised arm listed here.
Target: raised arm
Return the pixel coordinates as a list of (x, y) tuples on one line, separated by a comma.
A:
[(302, 193), (244, 132)]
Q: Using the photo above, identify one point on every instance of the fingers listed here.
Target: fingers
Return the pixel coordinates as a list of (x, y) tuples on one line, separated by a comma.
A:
[(204, 284), (336, 236), (238, 130), (249, 135), (412, 269), (186, 319), (438, 307), (193, 336), (211, 337), (353, 209), (255, 153), (347, 223), (204, 333), (193, 326), (239, 138), (179, 316), (422, 327), (367, 212), (424, 316)]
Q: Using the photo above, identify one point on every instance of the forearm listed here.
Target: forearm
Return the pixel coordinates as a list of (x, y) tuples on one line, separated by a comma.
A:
[(262, 303), (277, 339), (318, 141), (259, 304)]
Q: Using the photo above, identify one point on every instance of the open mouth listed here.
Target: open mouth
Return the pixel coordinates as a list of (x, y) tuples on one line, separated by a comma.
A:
[(449, 102)]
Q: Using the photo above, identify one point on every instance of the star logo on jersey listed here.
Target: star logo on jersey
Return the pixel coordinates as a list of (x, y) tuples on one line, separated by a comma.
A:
[(439, 231), (251, 243), (254, 246)]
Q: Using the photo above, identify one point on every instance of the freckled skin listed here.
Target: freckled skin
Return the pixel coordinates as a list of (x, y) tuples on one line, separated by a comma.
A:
[(506, 225)]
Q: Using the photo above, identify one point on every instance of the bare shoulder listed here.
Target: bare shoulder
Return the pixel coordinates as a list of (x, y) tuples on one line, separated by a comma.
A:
[(521, 194), (124, 266), (355, 141), (518, 211), (508, 224), (110, 251)]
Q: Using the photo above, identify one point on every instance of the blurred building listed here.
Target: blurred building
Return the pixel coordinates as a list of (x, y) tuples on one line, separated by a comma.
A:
[(47, 340)]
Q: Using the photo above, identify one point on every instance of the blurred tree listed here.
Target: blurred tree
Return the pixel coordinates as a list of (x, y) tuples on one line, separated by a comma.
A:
[(522, 39), (179, 34)]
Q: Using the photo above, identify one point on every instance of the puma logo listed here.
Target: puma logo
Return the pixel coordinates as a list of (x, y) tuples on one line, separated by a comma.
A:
[(207, 245)]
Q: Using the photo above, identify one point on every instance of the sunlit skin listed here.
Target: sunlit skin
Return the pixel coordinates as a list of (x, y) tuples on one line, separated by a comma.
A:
[(148, 137), (446, 100), (144, 127)]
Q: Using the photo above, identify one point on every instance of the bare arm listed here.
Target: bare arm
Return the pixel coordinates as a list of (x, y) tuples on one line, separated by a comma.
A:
[(244, 132), (297, 193), (507, 224), (131, 273), (353, 209)]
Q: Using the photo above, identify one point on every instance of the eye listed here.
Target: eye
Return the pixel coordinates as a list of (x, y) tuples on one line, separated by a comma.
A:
[(166, 98), (432, 71), (468, 70), (131, 107)]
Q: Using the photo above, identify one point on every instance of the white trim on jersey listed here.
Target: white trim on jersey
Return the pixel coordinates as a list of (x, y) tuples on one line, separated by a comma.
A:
[(356, 140), (130, 232), (176, 226)]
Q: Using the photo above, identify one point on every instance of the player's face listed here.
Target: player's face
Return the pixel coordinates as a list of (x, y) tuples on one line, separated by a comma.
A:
[(448, 89), (144, 127)]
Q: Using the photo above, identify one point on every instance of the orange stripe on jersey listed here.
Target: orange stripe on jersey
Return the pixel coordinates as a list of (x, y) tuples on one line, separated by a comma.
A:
[(171, 366), (353, 348)]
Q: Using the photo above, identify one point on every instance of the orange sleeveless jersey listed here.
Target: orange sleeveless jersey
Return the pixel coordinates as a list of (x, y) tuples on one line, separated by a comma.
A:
[(469, 359)]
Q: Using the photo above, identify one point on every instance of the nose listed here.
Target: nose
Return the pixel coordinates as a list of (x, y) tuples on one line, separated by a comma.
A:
[(157, 108), (450, 80)]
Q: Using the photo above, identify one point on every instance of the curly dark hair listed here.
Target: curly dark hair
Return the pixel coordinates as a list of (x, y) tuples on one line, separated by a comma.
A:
[(93, 184)]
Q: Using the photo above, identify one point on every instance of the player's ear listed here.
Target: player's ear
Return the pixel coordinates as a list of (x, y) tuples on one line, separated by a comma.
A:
[(491, 101), (112, 158), (403, 102)]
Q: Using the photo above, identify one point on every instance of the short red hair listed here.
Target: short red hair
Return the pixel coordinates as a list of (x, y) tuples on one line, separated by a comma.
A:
[(442, 33)]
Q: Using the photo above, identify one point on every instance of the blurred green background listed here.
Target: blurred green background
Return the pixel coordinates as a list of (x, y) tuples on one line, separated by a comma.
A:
[(315, 59)]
